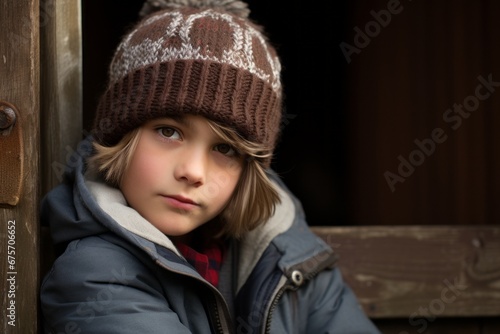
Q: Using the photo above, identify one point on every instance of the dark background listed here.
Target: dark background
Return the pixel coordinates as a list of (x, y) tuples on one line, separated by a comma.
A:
[(349, 123)]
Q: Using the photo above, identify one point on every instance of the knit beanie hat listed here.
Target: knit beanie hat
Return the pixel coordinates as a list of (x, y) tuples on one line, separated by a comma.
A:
[(199, 57)]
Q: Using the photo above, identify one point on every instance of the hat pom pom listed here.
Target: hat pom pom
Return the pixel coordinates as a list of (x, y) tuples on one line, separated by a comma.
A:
[(235, 7)]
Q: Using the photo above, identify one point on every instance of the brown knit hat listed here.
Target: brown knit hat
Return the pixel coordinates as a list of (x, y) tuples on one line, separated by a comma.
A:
[(202, 57)]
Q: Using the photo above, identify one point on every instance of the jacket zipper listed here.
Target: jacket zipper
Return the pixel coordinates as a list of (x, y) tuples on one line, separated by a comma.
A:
[(215, 314), (276, 299)]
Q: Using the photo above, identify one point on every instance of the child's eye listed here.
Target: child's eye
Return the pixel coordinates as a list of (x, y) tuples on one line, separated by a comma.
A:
[(226, 149), (168, 132)]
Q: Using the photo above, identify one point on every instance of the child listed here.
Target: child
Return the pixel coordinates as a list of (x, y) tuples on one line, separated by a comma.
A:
[(172, 221)]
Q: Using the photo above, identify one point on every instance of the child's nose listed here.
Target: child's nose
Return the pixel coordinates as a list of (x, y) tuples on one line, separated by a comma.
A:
[(191, 167)]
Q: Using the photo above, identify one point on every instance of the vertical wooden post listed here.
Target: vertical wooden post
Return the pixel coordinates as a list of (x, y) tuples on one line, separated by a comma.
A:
[(20, 86), (61, 97), (61, 90)]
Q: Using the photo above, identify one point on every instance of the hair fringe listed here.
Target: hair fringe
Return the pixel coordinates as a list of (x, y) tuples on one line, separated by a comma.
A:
[(111, 162)]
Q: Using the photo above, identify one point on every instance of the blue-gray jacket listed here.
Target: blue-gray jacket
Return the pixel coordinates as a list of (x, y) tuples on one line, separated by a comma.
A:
[(119, 274)]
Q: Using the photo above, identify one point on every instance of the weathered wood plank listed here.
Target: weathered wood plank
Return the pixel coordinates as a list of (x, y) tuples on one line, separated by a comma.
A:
[(417, 271), (61, 96), (61, 91), (19, 85)]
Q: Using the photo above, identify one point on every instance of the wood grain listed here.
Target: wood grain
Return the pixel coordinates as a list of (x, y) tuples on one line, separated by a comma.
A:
[(19, 85), (420, 272), (61, 98), (400, 88)]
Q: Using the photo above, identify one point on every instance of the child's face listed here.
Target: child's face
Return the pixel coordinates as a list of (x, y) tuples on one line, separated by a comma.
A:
[(181, 174)]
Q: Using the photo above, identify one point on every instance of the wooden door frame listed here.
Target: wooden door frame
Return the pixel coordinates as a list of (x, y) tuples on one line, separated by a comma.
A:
[(20, 86), (40, 67)]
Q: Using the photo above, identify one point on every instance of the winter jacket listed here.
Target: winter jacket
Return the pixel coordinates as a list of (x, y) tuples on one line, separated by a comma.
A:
[(118, 274)]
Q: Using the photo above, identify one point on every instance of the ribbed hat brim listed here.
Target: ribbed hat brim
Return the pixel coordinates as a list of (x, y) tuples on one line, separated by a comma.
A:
[(220, 92)]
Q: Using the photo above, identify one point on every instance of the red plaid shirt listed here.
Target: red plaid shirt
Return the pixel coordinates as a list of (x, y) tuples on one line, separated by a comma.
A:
[(207, 263)]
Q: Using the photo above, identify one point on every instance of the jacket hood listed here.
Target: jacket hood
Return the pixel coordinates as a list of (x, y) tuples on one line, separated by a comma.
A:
[(62, 208)]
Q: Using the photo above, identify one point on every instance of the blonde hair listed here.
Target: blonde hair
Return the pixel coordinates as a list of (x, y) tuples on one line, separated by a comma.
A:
[(253, 202)]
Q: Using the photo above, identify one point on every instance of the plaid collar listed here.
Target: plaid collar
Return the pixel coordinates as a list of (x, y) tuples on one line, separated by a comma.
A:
[(207, 262)]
